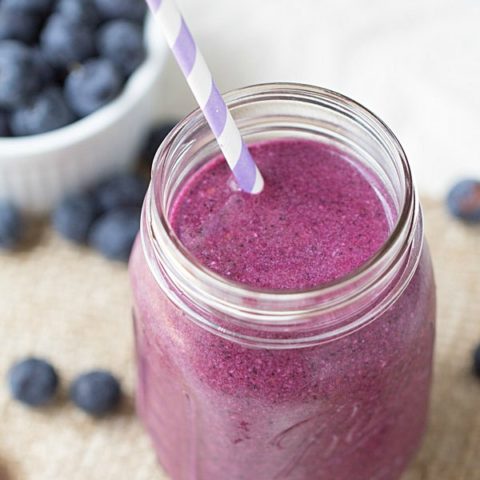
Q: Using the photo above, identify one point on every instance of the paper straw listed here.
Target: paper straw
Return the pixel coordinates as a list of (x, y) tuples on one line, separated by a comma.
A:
[(213, 106)]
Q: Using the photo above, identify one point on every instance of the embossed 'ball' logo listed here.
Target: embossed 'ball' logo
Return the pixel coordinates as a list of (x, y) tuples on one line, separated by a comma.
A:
[(334, 431)]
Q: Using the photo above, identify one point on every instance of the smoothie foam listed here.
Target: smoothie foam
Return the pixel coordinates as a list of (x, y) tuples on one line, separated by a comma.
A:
[(317, 220)]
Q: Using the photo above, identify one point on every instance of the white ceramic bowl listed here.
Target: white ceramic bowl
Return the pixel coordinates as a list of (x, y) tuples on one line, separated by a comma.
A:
[(37, 171)]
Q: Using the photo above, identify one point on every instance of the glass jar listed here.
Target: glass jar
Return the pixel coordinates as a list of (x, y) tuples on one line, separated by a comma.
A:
[(328, 383)]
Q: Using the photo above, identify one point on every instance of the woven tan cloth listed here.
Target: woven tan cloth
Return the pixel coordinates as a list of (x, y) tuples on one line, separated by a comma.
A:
[(70, 305)]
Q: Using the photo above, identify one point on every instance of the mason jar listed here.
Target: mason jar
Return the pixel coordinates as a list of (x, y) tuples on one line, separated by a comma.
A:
[(329, 383)]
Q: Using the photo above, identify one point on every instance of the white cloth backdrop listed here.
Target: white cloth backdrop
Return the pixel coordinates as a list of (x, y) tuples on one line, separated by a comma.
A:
[(416, 63)]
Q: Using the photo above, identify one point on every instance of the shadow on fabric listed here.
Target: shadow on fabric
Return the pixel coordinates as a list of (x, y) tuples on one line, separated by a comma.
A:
[(4, 473)]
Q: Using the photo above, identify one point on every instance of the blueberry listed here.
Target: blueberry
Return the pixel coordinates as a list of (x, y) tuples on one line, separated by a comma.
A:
[(36, 7), (74, 217), (476, 361), (92, 86), (33, 381), (155, 139), (464, 200), (48, 75), (134, 10), (4, 129), (18, 25), (46, 112), (122, 42), (66, 43), (124, 190), (11, 226), (79, 11), (97, 392), (114, 233), (19, 76)]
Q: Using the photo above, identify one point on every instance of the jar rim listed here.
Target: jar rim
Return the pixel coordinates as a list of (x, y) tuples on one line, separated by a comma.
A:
[(281, 303)]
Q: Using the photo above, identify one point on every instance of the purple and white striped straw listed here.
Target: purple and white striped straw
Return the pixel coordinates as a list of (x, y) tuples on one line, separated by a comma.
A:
[(213, 106)]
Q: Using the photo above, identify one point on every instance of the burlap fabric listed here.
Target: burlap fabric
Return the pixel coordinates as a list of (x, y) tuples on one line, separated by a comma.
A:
[(70, 305)]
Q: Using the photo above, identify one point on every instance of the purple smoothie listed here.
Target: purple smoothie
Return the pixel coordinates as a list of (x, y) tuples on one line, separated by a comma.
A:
[(351, 409), (316, 221)]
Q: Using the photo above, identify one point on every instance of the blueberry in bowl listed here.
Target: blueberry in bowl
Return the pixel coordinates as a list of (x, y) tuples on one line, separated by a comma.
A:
[(35, 7), (73, 108), (133, 10), (121, 41), (20, 78), (4, 124), (45, 112), (83, 13), (65, 42), (19, 25), (92, 86)]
